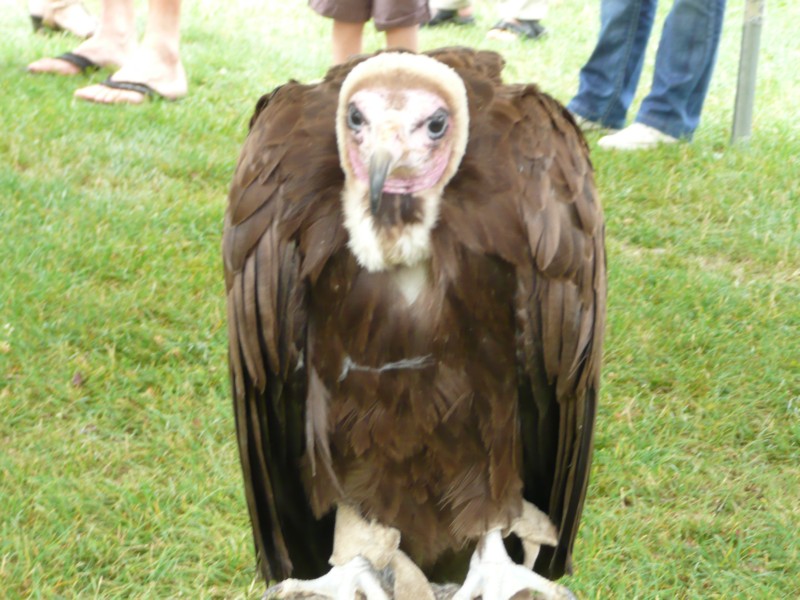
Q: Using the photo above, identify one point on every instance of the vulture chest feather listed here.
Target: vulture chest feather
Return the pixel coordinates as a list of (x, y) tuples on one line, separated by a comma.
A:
[(420, 394)]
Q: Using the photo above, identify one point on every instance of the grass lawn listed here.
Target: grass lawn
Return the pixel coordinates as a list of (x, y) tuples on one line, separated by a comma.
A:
[(119, 476)]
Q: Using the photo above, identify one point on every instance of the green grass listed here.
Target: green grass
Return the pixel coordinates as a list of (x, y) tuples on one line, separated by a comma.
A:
[(118, 470)]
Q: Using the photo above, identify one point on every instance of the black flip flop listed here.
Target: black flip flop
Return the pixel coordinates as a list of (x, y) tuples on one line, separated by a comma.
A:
[(133, 86), (84, 64)]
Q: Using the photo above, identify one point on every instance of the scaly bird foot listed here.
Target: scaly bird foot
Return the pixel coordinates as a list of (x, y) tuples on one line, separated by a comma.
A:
[(494, 576), (340, 583)]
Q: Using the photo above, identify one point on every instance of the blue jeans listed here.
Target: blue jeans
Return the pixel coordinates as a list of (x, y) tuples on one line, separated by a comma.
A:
[(685, 60)]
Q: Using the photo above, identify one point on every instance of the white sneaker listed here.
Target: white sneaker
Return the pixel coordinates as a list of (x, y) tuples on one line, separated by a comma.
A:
[(636, 137)]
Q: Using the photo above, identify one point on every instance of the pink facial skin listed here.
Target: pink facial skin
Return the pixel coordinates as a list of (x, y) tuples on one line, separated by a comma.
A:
[(405, 185), (397, 122)]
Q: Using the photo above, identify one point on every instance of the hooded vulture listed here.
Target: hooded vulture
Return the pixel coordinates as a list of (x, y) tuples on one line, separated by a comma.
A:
[(415, 274)]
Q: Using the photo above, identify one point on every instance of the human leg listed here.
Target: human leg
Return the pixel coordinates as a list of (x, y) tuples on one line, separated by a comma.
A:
[(400, 19), (349, 18), (156, 62), (608, 80), (347, 39), (527, 10), (403, 37), (110, 46), (685, 62)]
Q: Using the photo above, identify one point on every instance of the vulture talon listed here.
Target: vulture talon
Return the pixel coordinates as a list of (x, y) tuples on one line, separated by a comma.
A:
[(494, 576), (340, 583)]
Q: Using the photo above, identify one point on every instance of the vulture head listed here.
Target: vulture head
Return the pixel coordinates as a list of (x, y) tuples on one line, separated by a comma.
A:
[(401, 128)]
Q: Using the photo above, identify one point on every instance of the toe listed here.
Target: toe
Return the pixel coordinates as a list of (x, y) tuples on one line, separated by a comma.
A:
[(54, 66), (101, 94)]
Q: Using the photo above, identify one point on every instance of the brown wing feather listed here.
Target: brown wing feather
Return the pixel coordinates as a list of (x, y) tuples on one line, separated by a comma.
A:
[(561, 308), (282, 224), (538, 210)]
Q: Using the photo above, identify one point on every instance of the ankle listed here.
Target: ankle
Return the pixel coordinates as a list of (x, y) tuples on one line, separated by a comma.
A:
[(166, 51)]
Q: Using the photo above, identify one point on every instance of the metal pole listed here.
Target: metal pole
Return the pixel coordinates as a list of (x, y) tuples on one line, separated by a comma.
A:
[(748, 61)]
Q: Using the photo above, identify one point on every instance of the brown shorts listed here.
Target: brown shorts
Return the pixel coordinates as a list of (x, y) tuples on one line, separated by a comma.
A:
[(387, 14)]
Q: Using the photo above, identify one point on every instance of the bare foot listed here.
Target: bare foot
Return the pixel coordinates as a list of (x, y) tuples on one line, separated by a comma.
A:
[(101, 51), (160, 71), (68, 16)]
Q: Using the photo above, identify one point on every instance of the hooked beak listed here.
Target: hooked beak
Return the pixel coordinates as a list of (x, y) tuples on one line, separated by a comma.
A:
[(379, 166)]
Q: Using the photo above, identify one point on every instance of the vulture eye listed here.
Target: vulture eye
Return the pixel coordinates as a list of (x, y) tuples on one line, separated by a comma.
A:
[(355, 120), (437, 124)]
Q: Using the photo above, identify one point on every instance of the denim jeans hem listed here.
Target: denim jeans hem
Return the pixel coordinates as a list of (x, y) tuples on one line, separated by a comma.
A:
[(575, 106), (685, 58)]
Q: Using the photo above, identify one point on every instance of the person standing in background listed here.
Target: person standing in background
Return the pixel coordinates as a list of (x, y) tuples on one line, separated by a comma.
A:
[(520, 19), (152, 68), (399, 19), (685, 59)]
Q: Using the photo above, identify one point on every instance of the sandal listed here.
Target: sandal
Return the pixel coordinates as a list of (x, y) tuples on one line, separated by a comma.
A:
[(444, 17), (83, 64), (511, 30), (142, 89)]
